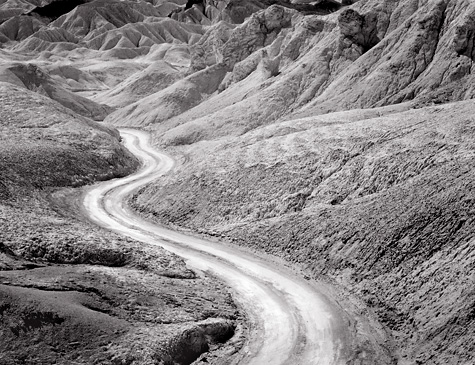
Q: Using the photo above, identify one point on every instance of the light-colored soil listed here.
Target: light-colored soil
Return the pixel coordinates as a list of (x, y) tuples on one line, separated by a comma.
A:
[(69, 291), (381, 206), (328, 140)]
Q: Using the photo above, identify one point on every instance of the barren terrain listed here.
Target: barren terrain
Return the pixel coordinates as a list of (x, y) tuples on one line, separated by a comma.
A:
[(382, 206), (69, 291), (336, 137), (289, 319)]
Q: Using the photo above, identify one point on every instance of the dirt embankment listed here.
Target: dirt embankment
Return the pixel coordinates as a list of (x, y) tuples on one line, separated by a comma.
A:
[(71, 292), (383, 207)]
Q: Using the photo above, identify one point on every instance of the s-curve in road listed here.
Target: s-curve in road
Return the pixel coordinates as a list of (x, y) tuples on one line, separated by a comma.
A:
[(290, 321)]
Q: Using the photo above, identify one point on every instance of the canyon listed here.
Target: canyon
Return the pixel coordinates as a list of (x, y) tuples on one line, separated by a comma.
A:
[(335, 138)]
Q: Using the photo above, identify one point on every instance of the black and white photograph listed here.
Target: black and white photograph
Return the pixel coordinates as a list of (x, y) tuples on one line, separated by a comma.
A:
[(237, 182)]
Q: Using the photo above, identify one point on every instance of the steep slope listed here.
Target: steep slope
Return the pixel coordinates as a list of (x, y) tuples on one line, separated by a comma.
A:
[(379, 200), (173, 100), (367, 55), (32, 123), (158, 76), (382, 205), (433, 53), (18, 28), (33, 78)]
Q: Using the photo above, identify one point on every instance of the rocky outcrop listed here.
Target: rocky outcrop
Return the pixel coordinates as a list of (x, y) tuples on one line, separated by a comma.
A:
[(208, 50), (358, 29), (225, 44), (413, 59), (259, 31), (189, 345)]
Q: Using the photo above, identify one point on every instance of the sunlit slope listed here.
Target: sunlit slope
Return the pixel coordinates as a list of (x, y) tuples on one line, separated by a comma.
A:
[(384, 206)]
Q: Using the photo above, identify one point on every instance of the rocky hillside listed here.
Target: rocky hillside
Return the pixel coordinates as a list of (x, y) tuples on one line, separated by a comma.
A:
[(33, 78), (336, 134), (377, 198), (45, 145), (71, 292), (380, 205), (284, 65)]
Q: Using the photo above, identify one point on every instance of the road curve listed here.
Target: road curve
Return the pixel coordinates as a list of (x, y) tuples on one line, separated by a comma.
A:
[(290, 321)]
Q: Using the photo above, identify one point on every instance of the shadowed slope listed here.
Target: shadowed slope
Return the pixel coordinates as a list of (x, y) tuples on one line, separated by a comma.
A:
[(55, 9)]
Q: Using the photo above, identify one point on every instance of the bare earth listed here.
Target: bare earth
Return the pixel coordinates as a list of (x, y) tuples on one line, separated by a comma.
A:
[(333, 138), (291, 321)]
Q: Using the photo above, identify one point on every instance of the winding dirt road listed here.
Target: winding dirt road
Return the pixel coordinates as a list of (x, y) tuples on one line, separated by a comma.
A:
[(290, 321)]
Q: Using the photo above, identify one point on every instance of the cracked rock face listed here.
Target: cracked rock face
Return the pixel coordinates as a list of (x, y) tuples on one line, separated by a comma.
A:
[(225, 44), (358, 28), (259, 31)]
